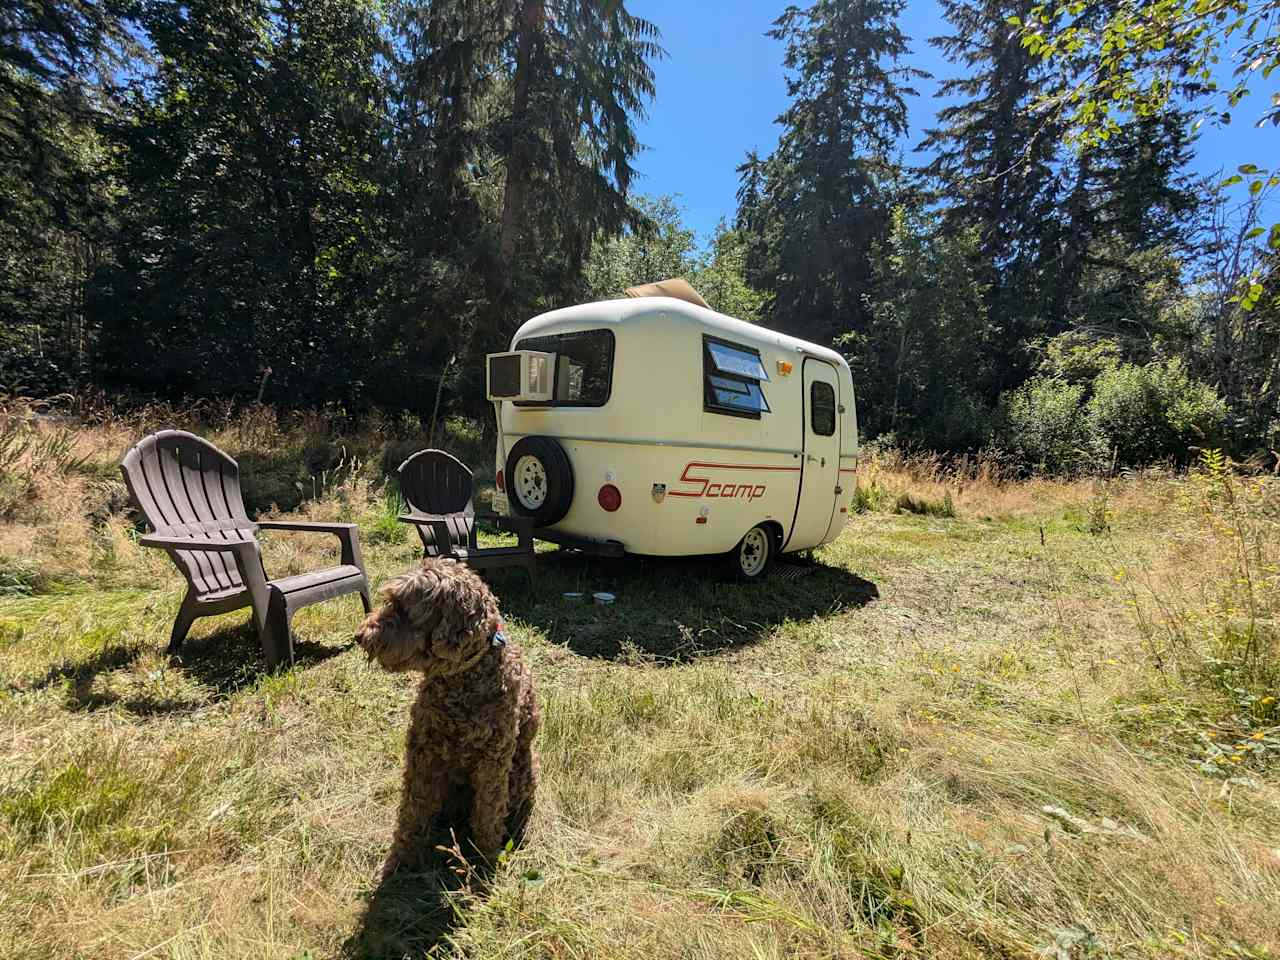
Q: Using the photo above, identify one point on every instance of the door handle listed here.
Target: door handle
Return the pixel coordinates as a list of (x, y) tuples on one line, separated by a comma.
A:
[(813, 459)]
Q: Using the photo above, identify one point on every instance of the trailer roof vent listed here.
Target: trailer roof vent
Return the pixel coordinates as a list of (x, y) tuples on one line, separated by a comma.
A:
[(677, 288)]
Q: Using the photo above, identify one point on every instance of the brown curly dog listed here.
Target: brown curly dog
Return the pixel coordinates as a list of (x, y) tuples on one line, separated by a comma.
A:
[(472, 727)]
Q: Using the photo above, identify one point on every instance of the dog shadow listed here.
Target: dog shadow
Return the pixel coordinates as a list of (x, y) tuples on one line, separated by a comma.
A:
[(407, 914), (217, 666), (414, 910), (673, 610)]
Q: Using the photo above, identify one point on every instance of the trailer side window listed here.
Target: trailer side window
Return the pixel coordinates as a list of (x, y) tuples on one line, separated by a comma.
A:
[(584, 367), (822, 408), (731, 378)]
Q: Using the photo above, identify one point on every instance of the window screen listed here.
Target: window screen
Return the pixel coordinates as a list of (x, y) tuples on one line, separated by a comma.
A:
[(822, 408), (584, 366), (731, 377)]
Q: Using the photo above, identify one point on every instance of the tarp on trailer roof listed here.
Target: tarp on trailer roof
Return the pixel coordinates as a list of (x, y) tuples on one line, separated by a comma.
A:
[(676, 287)]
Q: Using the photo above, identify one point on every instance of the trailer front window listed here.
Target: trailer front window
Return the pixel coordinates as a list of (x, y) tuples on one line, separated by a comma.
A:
[(731, 377), (584, 367)]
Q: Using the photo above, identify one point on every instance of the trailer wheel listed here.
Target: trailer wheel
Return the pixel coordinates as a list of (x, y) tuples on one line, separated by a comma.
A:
[(539, 480), (751, 559)]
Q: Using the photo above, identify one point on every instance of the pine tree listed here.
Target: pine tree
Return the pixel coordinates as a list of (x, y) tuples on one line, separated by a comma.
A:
[(56, 63), (994, 166), (514, 142), (567, 140), (826, 188)]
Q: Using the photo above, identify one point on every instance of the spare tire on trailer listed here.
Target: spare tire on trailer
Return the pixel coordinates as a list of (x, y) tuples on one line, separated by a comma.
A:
[(539, 480)]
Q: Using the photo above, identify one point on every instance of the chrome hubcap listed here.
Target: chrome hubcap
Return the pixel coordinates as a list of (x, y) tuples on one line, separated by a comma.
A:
[(531, 482), (754, 552)]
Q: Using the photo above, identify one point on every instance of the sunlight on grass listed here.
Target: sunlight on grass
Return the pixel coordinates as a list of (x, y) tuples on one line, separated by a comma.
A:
[(952, 738)]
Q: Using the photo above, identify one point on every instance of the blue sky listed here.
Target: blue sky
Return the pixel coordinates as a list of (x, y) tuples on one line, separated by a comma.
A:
[(721, 86)]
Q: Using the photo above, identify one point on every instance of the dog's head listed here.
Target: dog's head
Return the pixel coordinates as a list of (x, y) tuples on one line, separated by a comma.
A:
[(438, 618)]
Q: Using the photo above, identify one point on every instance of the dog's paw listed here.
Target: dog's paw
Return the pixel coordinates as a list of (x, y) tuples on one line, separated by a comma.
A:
[(389, 867)]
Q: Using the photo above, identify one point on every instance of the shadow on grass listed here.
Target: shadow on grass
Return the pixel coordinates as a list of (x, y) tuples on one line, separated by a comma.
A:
[(217, 667), (671, 610), (408, 913)]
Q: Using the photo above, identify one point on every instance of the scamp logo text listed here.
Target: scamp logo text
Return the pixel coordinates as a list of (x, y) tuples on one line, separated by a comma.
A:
[(700, 480)]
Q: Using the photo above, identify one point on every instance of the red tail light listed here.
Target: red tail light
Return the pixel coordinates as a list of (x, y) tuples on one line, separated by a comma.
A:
[(609, 497), (501, 481)]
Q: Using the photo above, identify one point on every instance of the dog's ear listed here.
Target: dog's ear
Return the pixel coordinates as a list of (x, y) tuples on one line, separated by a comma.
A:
[(394, 633), (463, 614)]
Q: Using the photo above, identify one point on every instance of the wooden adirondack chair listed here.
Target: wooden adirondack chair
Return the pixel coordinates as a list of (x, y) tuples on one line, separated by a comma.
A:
[(189, 492), (438, 490)]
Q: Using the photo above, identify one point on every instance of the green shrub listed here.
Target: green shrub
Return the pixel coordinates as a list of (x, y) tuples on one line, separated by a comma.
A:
[(19, 577), (382, 524), (925, 507), (871, 497), (1153, 412), (1042, 424)]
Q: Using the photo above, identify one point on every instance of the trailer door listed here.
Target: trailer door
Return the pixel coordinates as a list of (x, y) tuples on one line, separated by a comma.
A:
[(820, 470)]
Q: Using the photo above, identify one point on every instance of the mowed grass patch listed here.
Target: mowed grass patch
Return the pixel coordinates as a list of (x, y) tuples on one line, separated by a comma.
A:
[(945, 740)]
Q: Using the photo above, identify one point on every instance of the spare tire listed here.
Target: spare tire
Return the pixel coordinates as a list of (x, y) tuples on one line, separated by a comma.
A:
[(539, 480)]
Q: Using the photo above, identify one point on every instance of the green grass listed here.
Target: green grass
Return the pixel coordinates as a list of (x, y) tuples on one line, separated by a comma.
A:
[(852, 763)]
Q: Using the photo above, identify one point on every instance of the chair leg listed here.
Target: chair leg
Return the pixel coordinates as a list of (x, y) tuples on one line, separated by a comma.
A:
[(181, 624), (364, 599), (276, 635)]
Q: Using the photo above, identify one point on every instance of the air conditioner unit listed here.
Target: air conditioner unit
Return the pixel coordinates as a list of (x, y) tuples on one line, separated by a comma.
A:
[(521, 375)]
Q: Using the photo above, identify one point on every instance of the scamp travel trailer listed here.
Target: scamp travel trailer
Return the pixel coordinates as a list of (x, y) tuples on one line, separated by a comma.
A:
[(656, 426)]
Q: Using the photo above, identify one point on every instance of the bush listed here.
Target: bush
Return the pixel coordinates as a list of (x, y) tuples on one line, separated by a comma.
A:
[(1130, 414), (19, 577), (1153, 412), (1042, 424)]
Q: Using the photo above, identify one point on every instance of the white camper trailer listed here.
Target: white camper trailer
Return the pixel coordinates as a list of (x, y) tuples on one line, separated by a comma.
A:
[(656, 426)]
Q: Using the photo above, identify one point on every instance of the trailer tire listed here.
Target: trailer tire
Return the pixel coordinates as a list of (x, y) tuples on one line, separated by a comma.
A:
[(751, 559), (539, 480)]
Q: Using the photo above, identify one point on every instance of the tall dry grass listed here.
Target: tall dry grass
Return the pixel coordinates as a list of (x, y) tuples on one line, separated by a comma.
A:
[(962, 736)]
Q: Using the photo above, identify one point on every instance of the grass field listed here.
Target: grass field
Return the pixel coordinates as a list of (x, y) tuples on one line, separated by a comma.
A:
[(1043, 726)]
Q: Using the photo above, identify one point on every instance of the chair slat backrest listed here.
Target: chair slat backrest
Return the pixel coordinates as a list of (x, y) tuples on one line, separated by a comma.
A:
[(435, 483), (187, 487)]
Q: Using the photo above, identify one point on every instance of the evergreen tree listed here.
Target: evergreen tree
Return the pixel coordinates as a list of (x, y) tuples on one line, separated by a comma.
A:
[(566, 140), (514, 140), (56, 59), (994, 165), (921, 363), (250, 155), (827, 188)]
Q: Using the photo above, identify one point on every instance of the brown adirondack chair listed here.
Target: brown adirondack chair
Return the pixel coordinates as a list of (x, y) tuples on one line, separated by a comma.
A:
[(189, 492), (438, 490)]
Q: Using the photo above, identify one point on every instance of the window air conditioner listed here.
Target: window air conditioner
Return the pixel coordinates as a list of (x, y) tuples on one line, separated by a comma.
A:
[(521, 375)]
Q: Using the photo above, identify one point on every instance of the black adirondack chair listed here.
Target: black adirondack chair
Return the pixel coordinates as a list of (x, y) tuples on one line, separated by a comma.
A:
[(438, 490), (189, 492)]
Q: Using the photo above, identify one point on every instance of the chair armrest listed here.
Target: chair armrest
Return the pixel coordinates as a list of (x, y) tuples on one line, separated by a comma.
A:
[(438, 524), (307, 526), (186, 543), (348, 535)]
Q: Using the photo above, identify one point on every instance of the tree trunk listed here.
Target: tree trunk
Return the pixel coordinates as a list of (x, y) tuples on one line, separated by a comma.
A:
[(528, 22)]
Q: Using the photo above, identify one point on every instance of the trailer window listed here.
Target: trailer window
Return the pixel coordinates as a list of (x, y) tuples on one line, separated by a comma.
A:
[(584, 367), (822, 408), (731, 377)]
